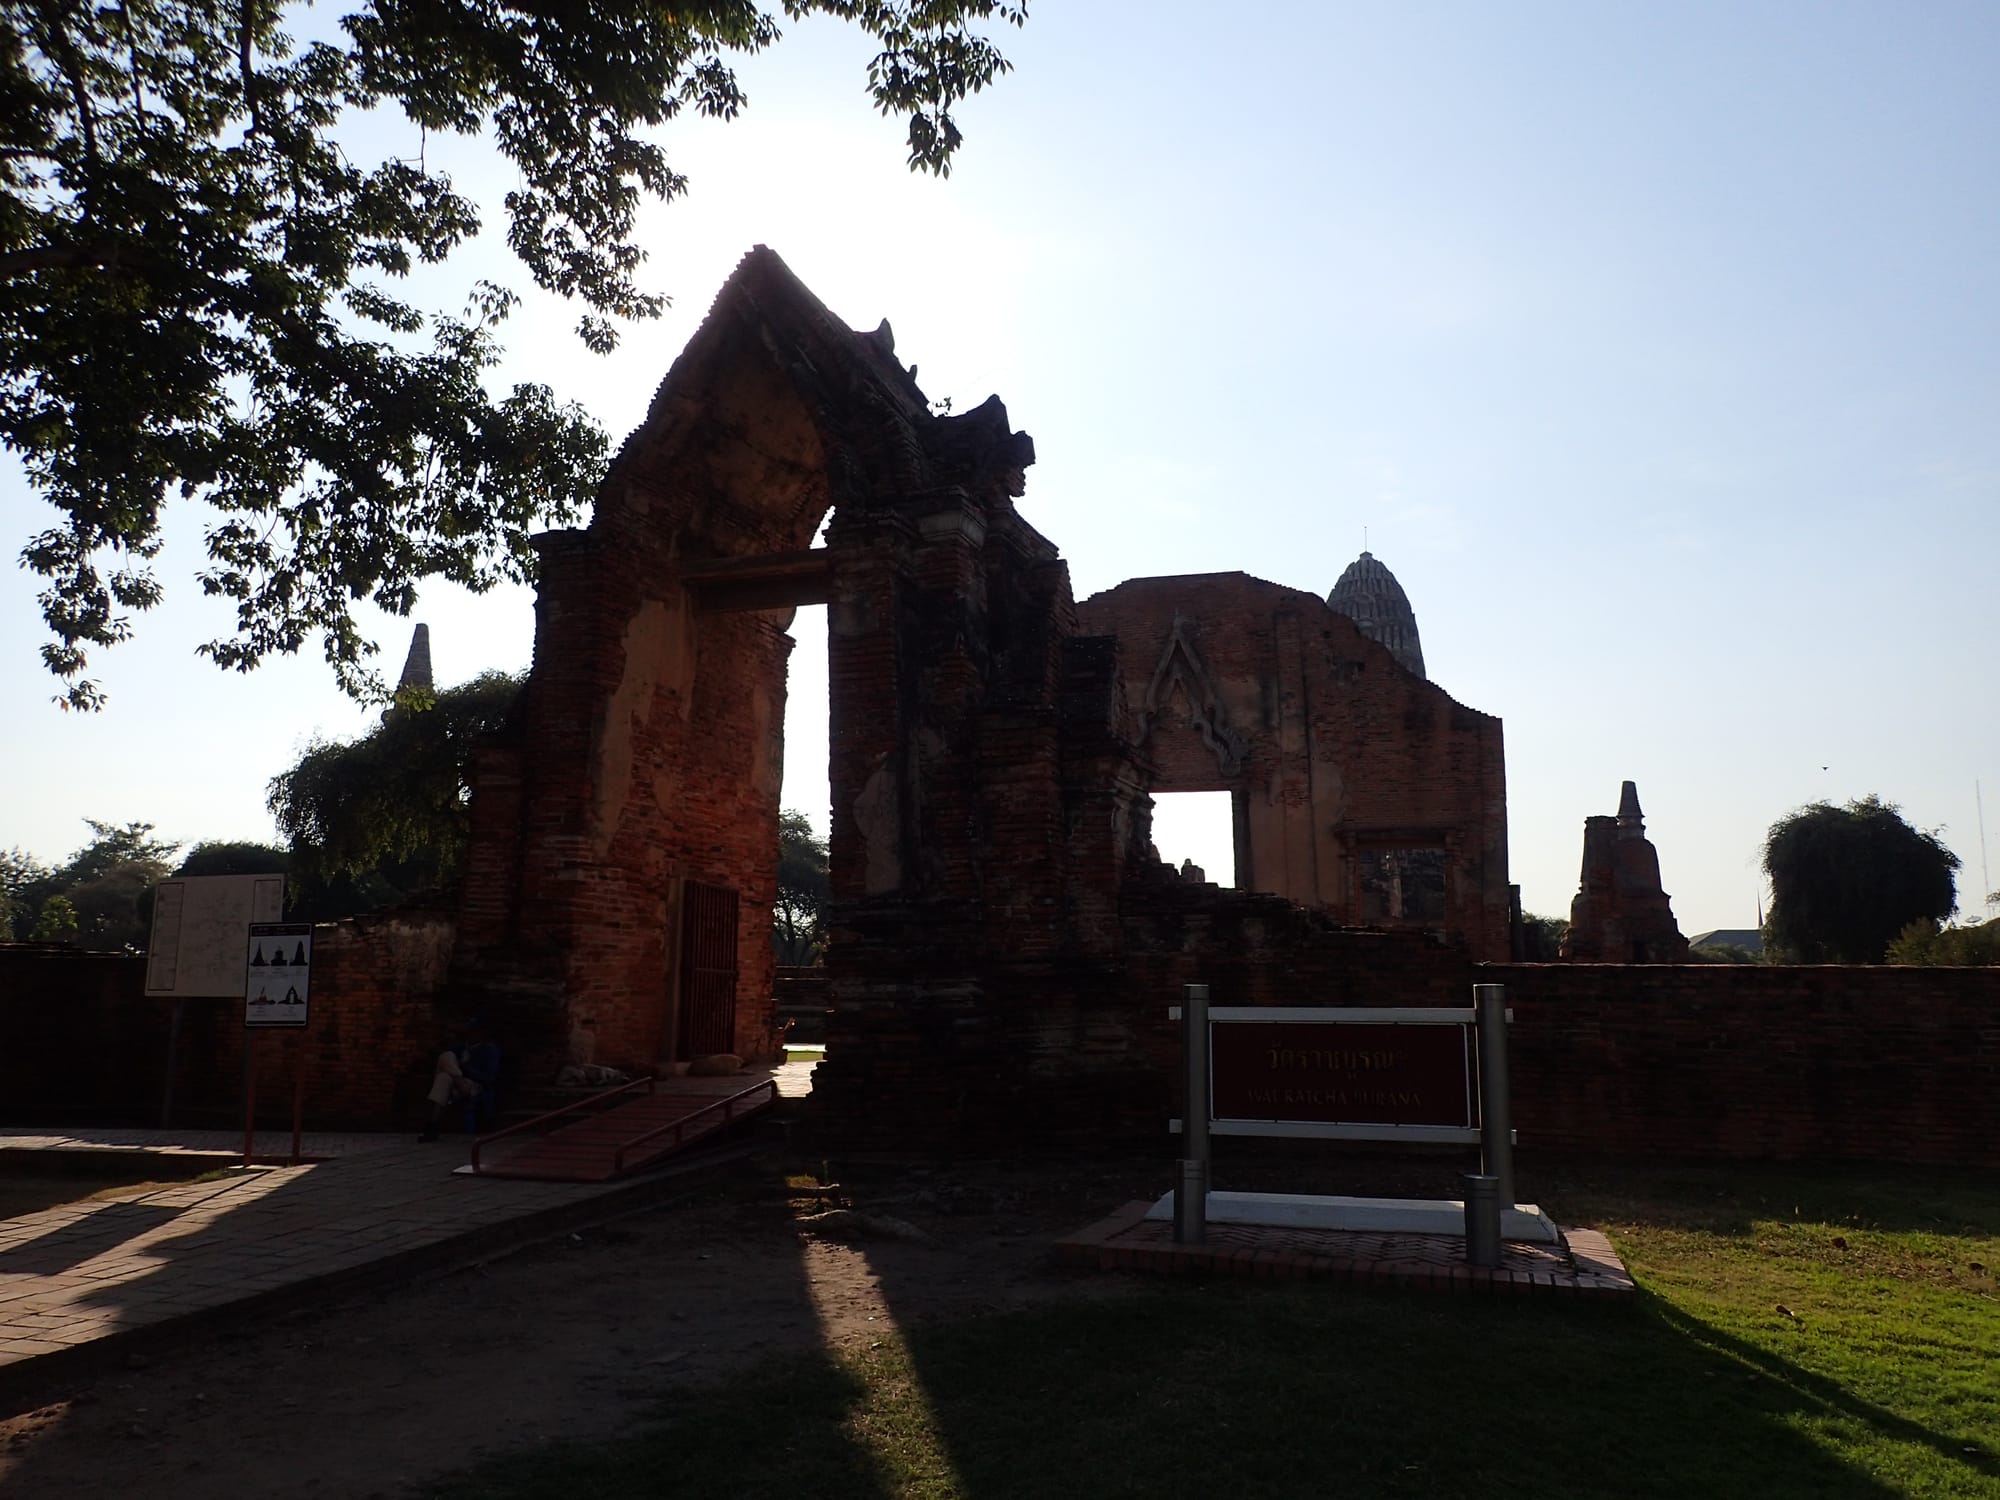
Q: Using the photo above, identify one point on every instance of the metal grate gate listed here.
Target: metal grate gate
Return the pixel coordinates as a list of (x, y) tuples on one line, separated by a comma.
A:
[(708, 971)]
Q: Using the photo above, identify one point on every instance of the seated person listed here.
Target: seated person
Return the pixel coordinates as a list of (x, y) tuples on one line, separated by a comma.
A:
[(448, 1083)]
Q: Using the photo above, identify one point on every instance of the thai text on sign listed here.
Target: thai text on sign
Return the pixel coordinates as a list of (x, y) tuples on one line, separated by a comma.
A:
[(1364, 1073)]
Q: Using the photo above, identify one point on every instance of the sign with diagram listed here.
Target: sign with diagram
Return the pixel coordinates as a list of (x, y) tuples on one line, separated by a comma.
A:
[(279, 974)]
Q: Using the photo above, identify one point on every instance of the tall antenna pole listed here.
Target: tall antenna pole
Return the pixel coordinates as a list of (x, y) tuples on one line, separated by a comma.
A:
[(1985, 878)]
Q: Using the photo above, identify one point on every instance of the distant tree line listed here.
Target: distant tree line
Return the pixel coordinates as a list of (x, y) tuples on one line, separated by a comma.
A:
[(370, 822)]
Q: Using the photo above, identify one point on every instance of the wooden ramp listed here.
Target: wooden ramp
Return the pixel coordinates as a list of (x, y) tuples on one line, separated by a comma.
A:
[(616, 1133)]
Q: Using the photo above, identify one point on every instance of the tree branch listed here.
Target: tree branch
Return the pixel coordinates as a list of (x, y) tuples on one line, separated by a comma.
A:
[(132, 65), (105, 255), (86, 117), (246, 67)]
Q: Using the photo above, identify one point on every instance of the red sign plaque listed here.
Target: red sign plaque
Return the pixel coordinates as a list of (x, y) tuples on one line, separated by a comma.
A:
[(1357, 1073)]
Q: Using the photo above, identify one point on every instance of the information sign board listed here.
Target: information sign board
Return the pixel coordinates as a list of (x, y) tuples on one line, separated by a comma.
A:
[(199, 922), (278, 986)]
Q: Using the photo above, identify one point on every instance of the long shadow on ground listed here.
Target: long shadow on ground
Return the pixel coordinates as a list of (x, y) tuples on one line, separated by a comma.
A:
[(1249, 1390), (1241, 1391)]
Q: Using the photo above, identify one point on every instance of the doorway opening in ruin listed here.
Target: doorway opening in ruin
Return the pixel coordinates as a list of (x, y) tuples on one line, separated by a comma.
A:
[(1197, 826), (808, 715), (745, 904), (797, 929)]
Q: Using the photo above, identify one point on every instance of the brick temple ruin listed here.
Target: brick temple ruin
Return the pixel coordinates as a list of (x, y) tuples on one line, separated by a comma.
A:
[(1004, 940), (1001, 927), (1621, 914)]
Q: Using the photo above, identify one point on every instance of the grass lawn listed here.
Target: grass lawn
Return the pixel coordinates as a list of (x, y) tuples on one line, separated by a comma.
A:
[(1797, 1334)]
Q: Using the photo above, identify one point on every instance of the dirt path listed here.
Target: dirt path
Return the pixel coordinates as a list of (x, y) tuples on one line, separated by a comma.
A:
[(572, 1339)]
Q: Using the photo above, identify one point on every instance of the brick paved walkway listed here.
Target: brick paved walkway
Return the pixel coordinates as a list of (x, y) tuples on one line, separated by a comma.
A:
[(74, 1274), (79, 1273), (270, 1144)]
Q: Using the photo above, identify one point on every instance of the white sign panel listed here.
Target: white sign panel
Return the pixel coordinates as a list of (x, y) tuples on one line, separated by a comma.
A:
[(278, 974), (199, 924)]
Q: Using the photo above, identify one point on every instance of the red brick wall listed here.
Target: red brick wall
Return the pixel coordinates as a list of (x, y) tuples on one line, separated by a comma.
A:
[(1716, 1062), (379, 1017), (1747, 1061), (80, 1039), (1699, 1061)]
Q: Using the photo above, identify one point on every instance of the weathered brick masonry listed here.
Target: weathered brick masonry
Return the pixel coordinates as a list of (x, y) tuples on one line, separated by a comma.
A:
[(1354, 780)]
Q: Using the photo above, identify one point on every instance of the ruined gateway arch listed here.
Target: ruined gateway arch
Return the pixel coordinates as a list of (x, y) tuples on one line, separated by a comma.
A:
[(1001, 933)]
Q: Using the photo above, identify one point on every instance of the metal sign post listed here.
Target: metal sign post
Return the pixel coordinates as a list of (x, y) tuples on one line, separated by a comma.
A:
[(298, 1098), (1191, 1196), (249, 1098), (277, 994), (1496, 1118)]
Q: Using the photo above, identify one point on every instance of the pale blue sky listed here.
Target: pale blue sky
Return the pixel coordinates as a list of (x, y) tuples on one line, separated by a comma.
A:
[(1655, 347)]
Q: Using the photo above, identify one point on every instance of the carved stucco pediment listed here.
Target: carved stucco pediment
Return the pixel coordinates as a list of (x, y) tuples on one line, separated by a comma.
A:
[(1181, 667)]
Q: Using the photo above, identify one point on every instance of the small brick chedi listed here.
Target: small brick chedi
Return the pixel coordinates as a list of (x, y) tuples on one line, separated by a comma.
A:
[(1003, 942), (1620, 914)]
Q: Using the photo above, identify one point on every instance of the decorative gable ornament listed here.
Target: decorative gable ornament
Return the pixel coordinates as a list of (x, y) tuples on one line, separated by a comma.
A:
[(1181, 666)]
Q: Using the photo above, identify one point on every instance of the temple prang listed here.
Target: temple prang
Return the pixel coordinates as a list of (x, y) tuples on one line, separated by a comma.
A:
[(999, 926)]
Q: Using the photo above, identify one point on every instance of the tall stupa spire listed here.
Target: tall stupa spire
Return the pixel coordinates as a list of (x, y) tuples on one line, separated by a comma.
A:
[(416, 671), (417, 665), (1369, 595)]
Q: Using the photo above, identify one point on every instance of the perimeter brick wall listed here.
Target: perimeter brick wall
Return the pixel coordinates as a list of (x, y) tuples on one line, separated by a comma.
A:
[(81, 1041), (1751, 1062), (76, 1035), (1696, 1062)]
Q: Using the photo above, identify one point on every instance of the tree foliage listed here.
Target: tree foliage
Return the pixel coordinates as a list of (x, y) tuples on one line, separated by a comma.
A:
[(234, 857), (55, 923), (1845, 881), (1541, 938), (805, 887), (198, 279), (1929, 944), (1723, 953), (24, 882), (99, 898), (390, 810)]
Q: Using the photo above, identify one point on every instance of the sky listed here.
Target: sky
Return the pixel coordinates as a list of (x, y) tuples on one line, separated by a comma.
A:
[(1657, 350)]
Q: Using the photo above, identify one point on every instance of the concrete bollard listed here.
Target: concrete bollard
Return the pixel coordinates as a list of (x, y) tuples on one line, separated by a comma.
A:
[(1191, 1203), (1482, 1219)]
